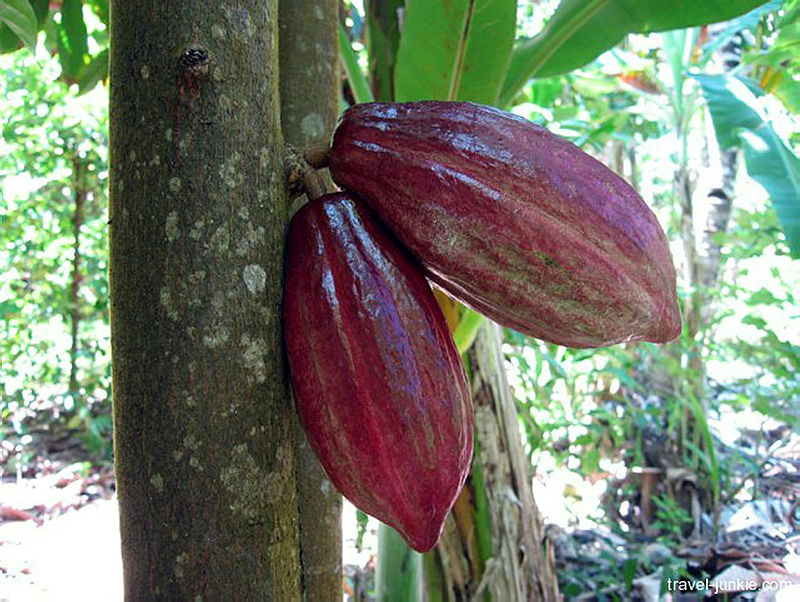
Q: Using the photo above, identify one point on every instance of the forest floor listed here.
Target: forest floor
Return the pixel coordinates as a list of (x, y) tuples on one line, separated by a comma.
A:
[(59, 537)]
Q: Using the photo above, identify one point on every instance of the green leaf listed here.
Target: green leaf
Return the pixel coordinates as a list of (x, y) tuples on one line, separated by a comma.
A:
[(572, 590), (42, 10), (358, 83), (624, 377), (454, 50), (20, 18), (8, 309), (398, 574), (9, 42), (756, 321), (747, 22), (709, 458), (731, 101), (100, 8), (580, 30), (770, 163), (590, 460), (467, 329), (383, 38), (763, 297), (73, 47), (95, 72), (738, 121), (361, 521), (788, 92), (544, 92), (629, 569)]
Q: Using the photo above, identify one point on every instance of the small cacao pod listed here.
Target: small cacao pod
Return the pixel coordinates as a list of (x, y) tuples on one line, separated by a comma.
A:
[(512, 220), (379, 386)]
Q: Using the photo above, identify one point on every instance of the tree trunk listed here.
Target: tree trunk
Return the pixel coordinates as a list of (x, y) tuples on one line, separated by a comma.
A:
[(522, 549), (718, 201), (494, 546), (710, 208), (309, 86), (80, 193), (202, 414)]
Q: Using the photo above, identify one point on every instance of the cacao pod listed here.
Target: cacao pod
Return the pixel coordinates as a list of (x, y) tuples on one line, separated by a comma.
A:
[(512, 220), (379, 386)]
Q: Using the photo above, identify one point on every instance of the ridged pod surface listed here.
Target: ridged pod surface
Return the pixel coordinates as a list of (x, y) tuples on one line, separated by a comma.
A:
[(512, 220), (379, 385)]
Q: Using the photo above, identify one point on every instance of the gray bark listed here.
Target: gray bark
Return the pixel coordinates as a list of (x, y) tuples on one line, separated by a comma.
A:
[(309, 87), (202, 414)]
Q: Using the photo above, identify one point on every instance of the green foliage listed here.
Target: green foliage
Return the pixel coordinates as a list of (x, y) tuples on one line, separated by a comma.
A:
[(361, 520), (570, 403), (766, 309), (51, 147), (19, 17), (739, 121), (358, 83), (582, 29), (454, 50), (778, 66), (590, 108), (68, 35), (671, 519), (71, 39), (383, 38), (705, 454), (749, 21)]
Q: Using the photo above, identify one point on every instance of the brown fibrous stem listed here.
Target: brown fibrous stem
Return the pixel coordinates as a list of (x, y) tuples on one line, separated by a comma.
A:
[(317, 155), (313, 184), (302, 175)]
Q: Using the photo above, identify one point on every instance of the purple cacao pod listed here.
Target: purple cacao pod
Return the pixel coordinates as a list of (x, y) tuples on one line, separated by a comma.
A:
[(514, 221), (379, 385)]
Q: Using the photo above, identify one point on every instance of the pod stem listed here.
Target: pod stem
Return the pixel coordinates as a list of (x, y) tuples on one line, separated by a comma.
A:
[(313, 184), (301, 171), (317, 155)]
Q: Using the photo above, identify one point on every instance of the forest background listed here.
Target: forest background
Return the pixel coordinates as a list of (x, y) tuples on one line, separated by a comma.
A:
[(653, 447)]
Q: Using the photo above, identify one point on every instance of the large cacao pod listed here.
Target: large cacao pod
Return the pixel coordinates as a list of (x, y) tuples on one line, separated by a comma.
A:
[(512, 220), (379, 385)]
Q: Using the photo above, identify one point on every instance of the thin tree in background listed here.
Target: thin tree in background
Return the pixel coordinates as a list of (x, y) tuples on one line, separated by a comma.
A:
[(309, 94)]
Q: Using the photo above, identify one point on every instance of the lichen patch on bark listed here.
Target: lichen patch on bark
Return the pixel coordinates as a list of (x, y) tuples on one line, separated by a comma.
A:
[(230, 170), (157, 481), (247, 485), (253, 353), (216, 337), (220, 240), (255, 278), (171, 226), (313, 126)]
